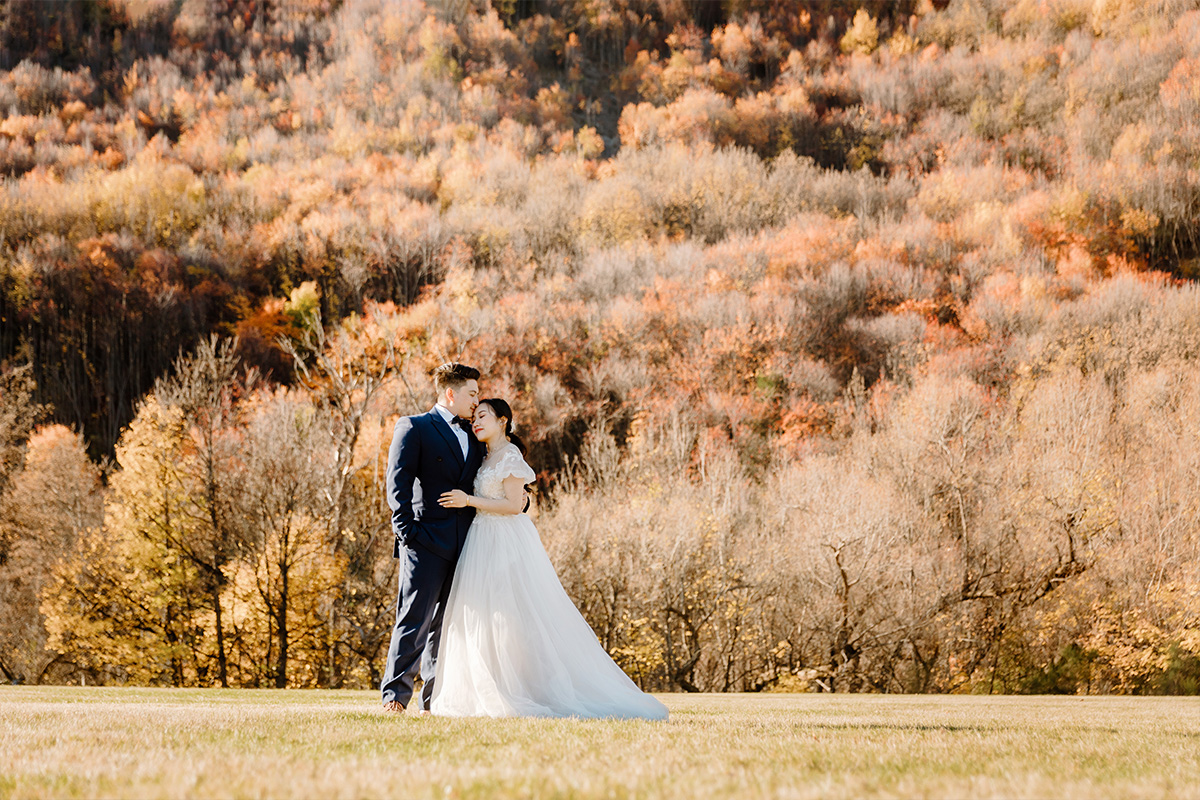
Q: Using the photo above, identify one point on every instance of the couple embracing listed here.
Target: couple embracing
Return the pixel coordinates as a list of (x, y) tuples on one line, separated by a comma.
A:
[(481, 613)]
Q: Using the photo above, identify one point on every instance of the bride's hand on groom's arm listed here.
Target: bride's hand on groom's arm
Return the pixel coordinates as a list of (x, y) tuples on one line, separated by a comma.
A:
[(512, 502), (455, 498)]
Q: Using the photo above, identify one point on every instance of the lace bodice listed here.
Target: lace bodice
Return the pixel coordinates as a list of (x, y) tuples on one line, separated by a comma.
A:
[(489, 481)]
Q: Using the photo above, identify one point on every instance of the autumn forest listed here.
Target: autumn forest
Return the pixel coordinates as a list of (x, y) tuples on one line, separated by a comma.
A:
[(857, 344)]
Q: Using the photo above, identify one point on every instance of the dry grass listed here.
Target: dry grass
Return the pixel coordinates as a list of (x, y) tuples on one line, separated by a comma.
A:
[(72, 742)]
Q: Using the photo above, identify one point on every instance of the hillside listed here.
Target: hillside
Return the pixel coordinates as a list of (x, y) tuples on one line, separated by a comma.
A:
[(857, 343)]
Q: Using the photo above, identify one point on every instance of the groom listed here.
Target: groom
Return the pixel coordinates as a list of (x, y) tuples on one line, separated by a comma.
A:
[(431, 454)]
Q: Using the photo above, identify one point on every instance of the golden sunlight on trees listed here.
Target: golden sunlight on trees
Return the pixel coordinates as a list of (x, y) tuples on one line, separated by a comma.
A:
[(288, 456), (123, 602), (854, 344), (863, 35), (53, 504)]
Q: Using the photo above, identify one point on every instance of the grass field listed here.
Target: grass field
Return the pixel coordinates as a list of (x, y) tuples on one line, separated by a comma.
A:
[(75, 742)]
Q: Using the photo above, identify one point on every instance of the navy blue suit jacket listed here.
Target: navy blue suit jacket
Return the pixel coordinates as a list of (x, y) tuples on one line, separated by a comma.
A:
[(425, 461)]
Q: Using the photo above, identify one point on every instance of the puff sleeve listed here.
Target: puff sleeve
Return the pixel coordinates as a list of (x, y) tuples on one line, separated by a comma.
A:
[(513, 465)]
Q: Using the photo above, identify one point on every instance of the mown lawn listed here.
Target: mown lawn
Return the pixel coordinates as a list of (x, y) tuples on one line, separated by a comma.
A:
[(75, 742)]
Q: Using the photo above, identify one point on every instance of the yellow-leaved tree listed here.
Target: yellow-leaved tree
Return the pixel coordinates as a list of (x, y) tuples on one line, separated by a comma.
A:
[(124, 604), (297, 571), (54, 500)]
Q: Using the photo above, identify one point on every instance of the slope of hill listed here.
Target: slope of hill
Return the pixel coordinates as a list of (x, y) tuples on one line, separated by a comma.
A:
[(870, 328)]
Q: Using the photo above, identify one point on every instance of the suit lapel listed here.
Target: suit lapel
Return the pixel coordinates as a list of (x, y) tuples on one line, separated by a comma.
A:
[(443, 428)]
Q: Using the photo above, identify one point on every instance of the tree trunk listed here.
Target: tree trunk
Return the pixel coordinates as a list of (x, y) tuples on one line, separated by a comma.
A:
[(222, 669), (8, 675), (173, 639), (282, 630)]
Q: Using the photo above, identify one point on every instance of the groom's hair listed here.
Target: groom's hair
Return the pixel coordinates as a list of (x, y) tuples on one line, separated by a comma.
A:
[(453, 376)]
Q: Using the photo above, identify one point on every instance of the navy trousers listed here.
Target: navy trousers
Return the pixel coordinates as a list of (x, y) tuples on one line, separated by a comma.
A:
[(424, 589)]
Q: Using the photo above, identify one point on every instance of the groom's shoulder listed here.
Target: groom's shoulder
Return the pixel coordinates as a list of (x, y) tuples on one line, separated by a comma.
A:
[(413, 420)]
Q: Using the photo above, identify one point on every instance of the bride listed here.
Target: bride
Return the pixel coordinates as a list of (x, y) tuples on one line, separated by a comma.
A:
[(513, 644)]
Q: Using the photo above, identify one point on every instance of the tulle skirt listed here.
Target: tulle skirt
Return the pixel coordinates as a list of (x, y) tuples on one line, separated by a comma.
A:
[(513, 643)]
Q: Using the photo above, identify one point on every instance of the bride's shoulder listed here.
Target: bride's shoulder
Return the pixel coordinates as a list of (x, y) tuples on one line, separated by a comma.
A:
[(513, 458), (512, 453), (507, 455)]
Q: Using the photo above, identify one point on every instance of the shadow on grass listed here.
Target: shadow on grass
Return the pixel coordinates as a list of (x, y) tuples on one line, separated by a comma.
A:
[(900, 726), (951, 728), (978, 728)]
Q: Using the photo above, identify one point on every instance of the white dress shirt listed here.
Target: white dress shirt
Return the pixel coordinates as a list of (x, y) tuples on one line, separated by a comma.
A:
[(459, 433)]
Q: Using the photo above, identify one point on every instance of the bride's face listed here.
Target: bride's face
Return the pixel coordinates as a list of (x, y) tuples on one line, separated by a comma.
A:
[(486, 424)]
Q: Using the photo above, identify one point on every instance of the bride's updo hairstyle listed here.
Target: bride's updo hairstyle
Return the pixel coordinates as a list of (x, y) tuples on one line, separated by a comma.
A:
[(502, 409)]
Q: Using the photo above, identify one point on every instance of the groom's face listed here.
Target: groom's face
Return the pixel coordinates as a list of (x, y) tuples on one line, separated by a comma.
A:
[(462, 400)]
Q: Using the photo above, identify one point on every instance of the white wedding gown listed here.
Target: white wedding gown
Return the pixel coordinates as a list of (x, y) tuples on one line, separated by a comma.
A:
[(513, 643)]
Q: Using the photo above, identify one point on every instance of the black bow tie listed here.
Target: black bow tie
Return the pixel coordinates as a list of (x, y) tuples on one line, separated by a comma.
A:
[(462, 423)]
